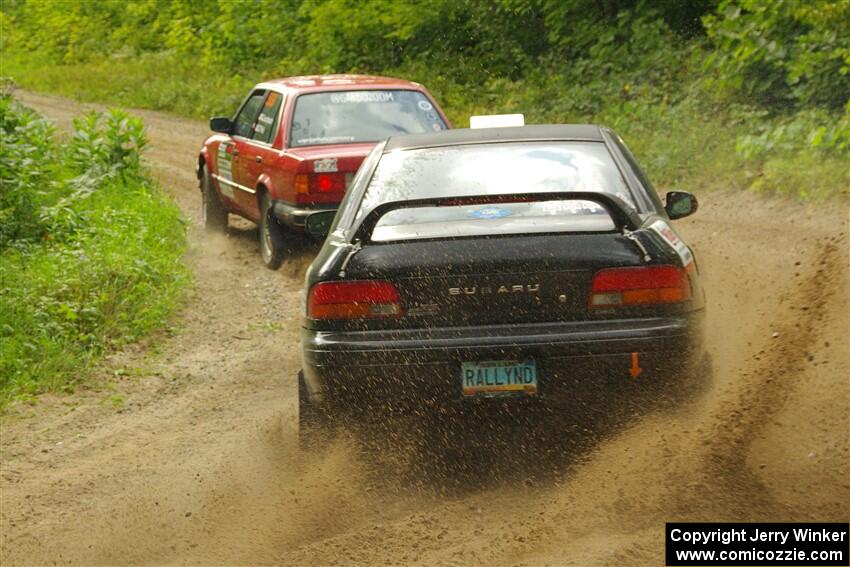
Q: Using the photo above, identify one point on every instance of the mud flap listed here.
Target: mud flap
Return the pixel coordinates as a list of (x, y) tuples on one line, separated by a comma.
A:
[(276, 230)]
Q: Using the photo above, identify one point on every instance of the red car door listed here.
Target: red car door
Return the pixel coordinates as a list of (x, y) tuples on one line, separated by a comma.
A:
[(243, 130), (256, 155)]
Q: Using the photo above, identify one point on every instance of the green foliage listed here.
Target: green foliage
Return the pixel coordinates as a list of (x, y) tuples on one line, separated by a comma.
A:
[(819, 132), (26, 165), (708, 92), (788, 52), (107, 145), (189, 89), (96, 259)]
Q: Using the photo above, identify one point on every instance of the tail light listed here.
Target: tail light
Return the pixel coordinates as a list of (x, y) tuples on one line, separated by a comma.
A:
[(311, 184), (353, 300), (639, 286)]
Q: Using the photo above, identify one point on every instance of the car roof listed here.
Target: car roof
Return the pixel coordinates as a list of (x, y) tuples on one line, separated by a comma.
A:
[(463, 136), (339, 82)]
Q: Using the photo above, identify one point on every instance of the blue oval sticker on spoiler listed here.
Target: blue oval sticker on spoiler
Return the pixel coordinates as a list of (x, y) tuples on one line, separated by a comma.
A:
[(490, 213)]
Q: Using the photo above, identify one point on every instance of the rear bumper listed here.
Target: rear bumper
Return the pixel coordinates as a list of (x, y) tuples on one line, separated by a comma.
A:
[(294, 216), (574, 359)]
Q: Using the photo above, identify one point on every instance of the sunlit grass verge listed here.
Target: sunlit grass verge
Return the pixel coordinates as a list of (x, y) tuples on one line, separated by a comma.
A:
[(91, 252), (157, 81)]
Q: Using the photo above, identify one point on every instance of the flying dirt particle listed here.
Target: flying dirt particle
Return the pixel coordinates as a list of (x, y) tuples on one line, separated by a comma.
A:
[(188, 514), (775, 334)]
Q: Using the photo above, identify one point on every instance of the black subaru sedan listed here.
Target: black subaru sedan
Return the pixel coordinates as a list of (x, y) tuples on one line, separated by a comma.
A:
[(504, 266)]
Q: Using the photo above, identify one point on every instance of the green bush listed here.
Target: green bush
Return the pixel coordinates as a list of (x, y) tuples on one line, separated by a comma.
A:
[(815, 131), (790, 52), (783, 52), (707, 92), (96, 259), (26, 165)]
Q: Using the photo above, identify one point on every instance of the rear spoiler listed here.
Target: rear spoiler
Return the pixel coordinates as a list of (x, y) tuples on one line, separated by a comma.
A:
[(624, 216)]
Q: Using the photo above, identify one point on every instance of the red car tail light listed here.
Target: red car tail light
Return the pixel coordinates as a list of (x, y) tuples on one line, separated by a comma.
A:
[(320, 183), (353, 300), (327, 183), (616, 287), (319, 187)]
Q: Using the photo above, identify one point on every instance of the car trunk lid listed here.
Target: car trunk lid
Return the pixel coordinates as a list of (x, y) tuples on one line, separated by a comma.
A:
[(493, 280)]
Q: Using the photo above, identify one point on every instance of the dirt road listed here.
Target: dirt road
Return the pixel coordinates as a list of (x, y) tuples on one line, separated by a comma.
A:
[(188, 453)]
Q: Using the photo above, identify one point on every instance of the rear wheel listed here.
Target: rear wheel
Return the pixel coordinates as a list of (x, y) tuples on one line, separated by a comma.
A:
[(213, 213), (272, 245)]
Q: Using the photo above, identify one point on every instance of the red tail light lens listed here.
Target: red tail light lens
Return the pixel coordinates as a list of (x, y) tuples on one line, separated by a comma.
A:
[(319, 187), (327, 183), (617, 287), (353, 300)]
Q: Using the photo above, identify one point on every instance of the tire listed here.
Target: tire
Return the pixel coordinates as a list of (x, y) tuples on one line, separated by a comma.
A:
[(272, 243), (213, 213), (313, 424)]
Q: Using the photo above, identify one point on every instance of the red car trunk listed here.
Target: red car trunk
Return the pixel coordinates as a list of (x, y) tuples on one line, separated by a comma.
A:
[(326, 171)]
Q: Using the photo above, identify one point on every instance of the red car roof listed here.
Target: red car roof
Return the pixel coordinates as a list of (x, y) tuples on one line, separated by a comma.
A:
[(341, 82)]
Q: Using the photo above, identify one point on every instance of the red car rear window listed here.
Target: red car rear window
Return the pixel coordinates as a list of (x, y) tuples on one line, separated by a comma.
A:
[(341, 117)]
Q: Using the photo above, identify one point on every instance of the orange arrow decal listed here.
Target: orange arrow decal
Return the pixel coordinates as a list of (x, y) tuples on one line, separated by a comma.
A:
[(635, 370)]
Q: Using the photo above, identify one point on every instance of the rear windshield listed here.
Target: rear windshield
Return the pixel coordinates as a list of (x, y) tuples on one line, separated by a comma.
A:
[(341, 117), (511, 168), (490, 219)]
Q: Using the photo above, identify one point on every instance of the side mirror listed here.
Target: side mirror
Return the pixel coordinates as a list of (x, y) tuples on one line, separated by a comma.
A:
[(318, 224), (679, 204), (221, 124)]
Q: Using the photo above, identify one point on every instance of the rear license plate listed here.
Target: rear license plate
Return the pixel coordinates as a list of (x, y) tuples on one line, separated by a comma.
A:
[(499, 378)]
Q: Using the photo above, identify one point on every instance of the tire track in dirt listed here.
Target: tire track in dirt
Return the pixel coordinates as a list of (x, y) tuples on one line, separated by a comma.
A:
[(199, 466), (742, 412)]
